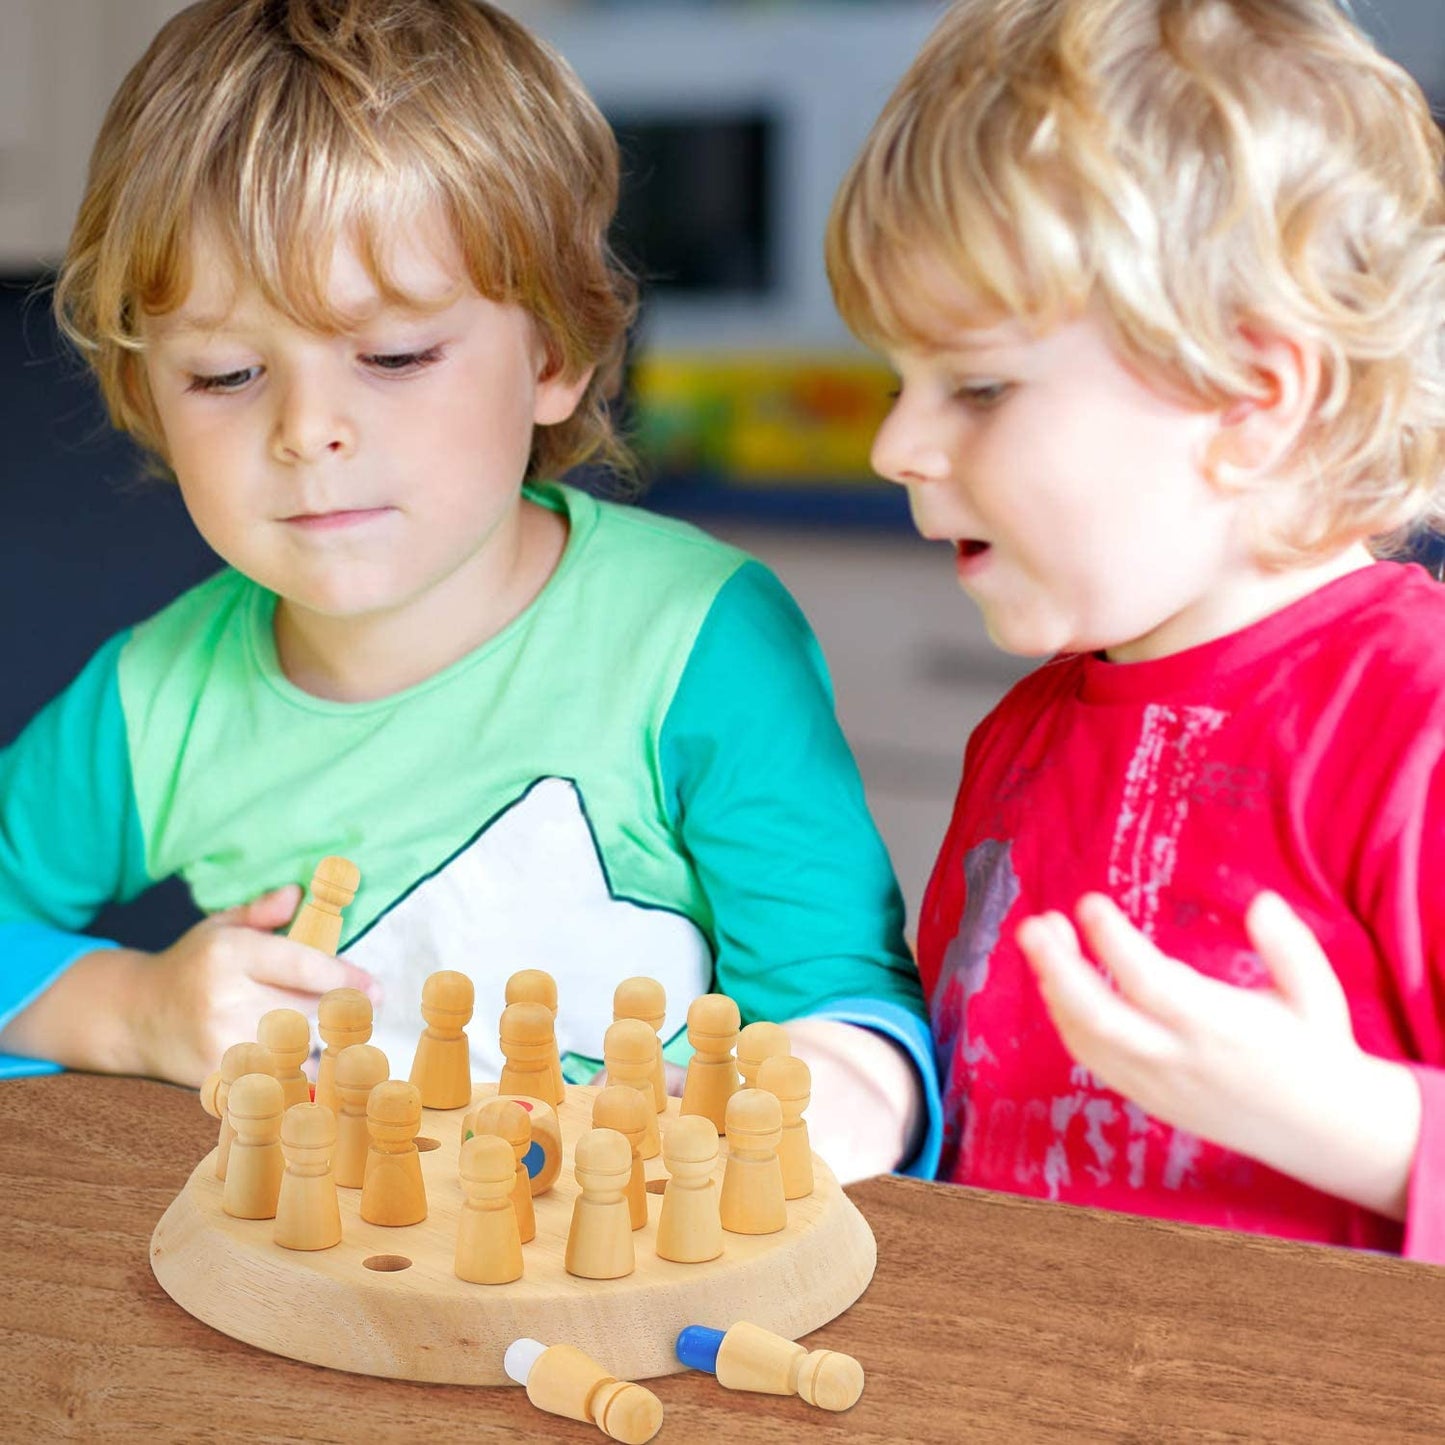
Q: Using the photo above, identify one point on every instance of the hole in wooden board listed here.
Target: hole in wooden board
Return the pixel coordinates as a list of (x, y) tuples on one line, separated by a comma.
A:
[(387, 1263), (656, 1186), (423, 1144)]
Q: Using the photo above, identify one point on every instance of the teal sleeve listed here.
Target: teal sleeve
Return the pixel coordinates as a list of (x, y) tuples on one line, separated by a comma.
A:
[(70, 837), (766, 796)]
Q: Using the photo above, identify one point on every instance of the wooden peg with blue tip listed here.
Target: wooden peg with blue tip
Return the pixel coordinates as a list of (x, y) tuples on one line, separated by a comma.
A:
[(748, 1357)]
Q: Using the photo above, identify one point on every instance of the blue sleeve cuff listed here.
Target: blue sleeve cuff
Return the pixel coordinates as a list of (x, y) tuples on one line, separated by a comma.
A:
[(32, 957), (905, 1028), (15, 1066)]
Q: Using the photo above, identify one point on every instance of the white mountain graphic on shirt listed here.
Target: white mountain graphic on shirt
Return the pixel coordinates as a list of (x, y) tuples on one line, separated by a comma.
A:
[(529, 891)]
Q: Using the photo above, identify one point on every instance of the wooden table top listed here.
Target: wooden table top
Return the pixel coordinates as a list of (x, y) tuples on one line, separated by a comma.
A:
[(989, 1318)]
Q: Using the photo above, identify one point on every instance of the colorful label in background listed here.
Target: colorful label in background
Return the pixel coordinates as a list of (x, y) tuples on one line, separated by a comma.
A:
[(756, 419)]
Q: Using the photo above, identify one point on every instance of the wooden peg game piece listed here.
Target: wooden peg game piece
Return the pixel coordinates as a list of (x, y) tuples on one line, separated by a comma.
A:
[(359, 1069), (529, 1044), (489, 1248), (287, 1034), (790, 1081), (239, 1059), (343, 1018), (253, 1175), (544, 1158), (442, 1066), (563, 1381), (753, 1201), (645, 999), (507, 1120), (536, 985), (689, 1229), (629, 1049), (599, 1242), (318, 920), (625, 1110), (757, 1042), (392, 1192), (713, 1022), (748, 1357), (307, 1213)]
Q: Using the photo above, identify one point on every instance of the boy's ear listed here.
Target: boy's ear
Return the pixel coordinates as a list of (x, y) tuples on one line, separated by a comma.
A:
[(1256, 433), (557, 396)]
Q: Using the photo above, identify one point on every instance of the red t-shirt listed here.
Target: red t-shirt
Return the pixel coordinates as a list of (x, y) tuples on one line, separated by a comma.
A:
[(1302, 754)]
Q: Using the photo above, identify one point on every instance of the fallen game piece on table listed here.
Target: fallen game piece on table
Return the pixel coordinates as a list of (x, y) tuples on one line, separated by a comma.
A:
[(747, 1357), (759, 1041), (629, 1050), (536, 985), (287, 1033), (689, 1229), (359, 1069), (752, 1200), (563, 1381), (599, 1242), (528, 1040), (790, 1081), (646, 999), (489, 1247), (245, 1058), (307, 1213), (713, 1023), (318, 920), (625, 1110), (507, 1120), (544, 1158), (442, 1065), (343, 1018), (392, 1192), (253, 1175)]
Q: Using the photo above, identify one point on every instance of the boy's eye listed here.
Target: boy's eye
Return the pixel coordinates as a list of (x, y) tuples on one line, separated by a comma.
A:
[(983, 395), (223, 381), (403, 361)]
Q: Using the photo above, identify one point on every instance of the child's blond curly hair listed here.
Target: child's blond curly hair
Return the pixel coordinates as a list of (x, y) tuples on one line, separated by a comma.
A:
[(1195, 169), (284, 126)]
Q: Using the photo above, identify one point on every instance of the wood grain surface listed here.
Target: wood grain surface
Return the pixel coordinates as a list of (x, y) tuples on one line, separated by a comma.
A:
[(989, 1318)]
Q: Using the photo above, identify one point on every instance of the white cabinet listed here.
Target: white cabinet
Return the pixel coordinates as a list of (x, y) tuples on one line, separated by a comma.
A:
[(60, 62)]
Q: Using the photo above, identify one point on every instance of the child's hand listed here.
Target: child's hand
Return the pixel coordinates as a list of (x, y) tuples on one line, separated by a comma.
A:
[(866, 1109), (1273, 1073), (209, 988)]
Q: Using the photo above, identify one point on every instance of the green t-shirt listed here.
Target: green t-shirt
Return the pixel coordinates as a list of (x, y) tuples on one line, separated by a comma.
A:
[(642, 773)]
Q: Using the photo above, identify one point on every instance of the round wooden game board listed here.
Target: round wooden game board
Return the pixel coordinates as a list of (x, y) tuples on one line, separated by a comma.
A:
[(386, 1302)]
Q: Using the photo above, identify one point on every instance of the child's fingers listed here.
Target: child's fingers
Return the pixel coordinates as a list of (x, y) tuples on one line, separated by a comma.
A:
[(1096, 1024), (269, 912), (1301, 969), (293, 966), (1160, 986)]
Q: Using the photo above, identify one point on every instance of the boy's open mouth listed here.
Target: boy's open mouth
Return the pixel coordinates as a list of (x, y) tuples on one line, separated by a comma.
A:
[(971, 547)]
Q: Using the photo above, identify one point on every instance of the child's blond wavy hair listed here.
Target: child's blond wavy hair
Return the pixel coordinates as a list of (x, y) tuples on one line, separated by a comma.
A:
[(1194, 168), (285, 126)]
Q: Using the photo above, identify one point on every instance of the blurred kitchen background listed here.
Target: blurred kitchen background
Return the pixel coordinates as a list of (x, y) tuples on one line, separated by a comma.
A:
[(750, 404)]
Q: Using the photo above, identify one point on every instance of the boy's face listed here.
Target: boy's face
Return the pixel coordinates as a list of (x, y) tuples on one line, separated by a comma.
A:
[(1071, 491), (361, 474)]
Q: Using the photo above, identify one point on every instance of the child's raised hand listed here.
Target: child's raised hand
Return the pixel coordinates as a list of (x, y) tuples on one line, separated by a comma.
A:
[(1273, 1073), (209, 988)]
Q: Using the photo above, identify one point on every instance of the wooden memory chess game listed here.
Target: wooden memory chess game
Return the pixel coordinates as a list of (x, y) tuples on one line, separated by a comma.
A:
[(385, 1301), (348, 1226)]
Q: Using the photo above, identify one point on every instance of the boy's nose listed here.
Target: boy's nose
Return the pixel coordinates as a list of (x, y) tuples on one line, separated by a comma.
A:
[(309, 425), (905, 452)]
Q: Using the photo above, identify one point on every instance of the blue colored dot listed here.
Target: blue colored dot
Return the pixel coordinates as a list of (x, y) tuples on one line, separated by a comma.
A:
[(534, 1159)]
